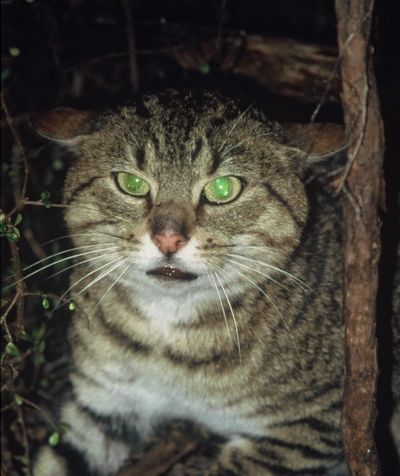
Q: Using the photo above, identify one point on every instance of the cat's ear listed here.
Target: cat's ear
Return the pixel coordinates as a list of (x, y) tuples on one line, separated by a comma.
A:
[(316, 141), (64, 125)]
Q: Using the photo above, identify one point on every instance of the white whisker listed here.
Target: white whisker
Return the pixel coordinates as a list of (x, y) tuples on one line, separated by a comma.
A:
[(259, 272), (210, 275), (272, 303), (235, 125), (95, 258), (298, 281), (77, 234), (226, 152), (233, 314), (60, 261), (61, 253), (264, 249), (111, 286), (91, 283)]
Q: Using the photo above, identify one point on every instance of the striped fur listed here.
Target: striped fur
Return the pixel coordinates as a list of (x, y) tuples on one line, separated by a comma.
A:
[(252, 349)]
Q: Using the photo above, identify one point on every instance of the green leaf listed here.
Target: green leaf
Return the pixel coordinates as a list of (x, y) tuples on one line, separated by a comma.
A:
[(18, 400), (5, 74), (41, 347), (45, 194), (16, 231), (204, 68), (39, 359), (45, 303), (12, 349), (3, 227), (12, 237), (57, 164), (47, 203), (14, 51), (44, 383), (72, 306), (18, 219), (38, 333), (54, 438), (26, 337)]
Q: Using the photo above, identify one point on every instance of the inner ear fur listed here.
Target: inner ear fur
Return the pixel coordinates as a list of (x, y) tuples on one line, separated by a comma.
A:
[(63, 124), (316, 140)]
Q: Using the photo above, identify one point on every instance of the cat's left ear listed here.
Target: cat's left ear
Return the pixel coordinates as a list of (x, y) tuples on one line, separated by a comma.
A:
[(315, 141), (64, 125)]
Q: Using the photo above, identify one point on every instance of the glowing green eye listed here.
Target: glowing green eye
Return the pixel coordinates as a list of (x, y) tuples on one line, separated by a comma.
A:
[(223, 189), (133, 184)]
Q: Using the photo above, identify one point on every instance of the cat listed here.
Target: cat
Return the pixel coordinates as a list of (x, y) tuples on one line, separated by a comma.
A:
[(208, 285)]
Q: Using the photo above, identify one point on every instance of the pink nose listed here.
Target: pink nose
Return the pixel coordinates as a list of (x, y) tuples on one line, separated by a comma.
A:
[(169, 243)]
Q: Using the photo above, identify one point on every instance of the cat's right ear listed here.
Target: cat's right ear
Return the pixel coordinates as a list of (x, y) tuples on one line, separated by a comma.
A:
[(316, 140), (64, 125)]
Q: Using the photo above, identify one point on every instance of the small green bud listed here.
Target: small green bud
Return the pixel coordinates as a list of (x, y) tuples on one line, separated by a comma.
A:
[(38, 333), (12, 349), (204, 68), (54, 438), (18, 219), (12, 237), (41, 347), (14, 51), (18, 400)]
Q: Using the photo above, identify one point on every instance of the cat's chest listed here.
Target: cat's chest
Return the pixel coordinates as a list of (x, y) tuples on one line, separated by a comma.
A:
[(149, 398)]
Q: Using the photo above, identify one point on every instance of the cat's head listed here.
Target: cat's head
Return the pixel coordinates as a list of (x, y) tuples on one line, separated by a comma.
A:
[(186, 194)]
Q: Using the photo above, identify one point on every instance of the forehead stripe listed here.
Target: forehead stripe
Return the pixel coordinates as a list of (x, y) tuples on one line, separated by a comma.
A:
[(197, 149), (283, 202)]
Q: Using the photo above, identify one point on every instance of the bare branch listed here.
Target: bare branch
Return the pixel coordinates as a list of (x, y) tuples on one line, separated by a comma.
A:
[(21, 147), (130, 33)]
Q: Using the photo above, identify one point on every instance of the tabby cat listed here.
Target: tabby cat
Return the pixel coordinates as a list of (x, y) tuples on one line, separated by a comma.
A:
[(208, 283)]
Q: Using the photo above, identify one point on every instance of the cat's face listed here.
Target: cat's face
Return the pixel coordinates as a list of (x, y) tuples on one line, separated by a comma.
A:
[(184, 199)]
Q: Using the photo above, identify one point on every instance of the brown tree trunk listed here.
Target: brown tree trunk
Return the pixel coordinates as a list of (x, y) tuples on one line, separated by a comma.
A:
[(363, 186)]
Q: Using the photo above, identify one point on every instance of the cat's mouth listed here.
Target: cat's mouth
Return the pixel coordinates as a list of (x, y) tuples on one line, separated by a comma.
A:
[(171, 273)]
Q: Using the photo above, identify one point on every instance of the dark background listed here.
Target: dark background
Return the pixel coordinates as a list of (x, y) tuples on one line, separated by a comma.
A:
[(75, 53)]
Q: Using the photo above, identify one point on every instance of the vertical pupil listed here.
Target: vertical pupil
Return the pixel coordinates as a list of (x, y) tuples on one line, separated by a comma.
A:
[(222, 187), (134, 182)]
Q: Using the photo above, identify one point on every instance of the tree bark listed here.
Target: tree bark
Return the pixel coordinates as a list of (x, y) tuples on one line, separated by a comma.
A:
[(363, 187)]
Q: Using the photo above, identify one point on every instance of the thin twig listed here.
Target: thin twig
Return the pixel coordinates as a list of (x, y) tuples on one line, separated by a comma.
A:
[(130, 33), (328, 86), (21, 147), (4, 316), (40, 203), (354, 153), (221, 21), (36, 407), (122, 54), (21, 288), (25, 440)]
